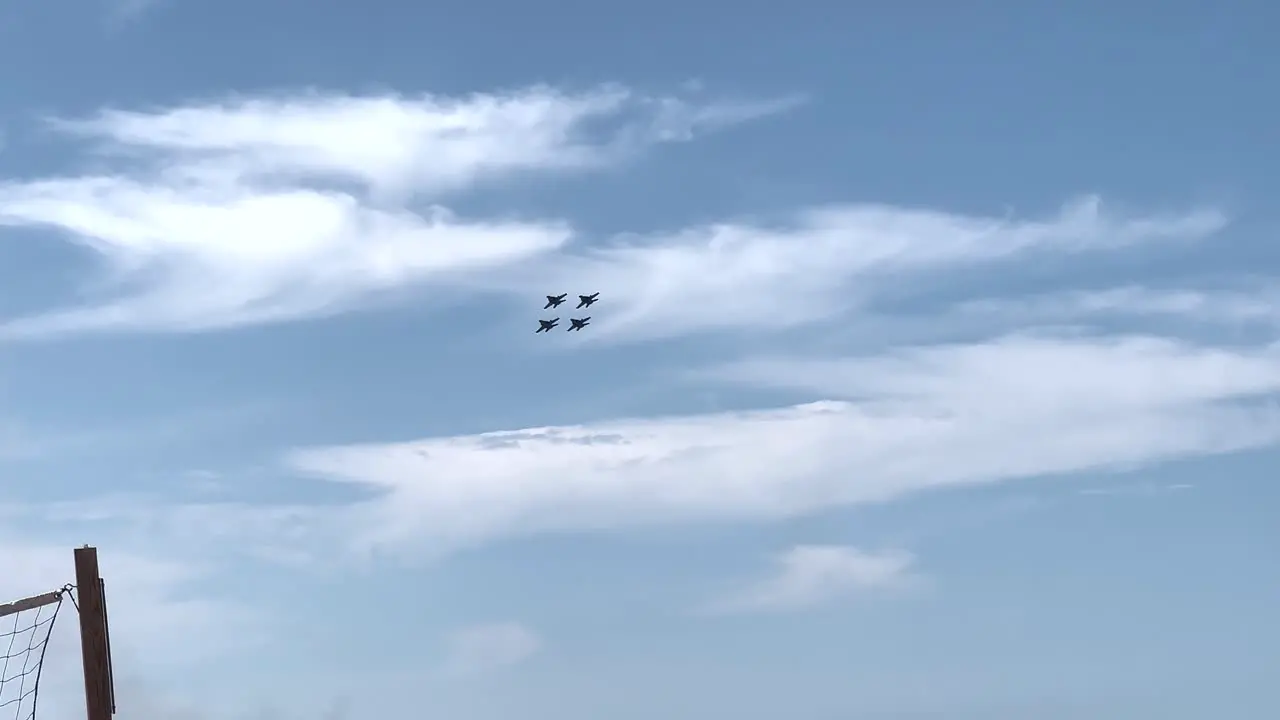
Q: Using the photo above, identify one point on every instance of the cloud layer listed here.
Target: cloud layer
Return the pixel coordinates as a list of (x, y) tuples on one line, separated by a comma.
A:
[(255, 210), (265, 210), (932, 417), (819, 264), (258, 210), (397, 145)]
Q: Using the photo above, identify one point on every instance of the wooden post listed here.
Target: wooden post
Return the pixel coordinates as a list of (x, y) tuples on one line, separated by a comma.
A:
[(94, 644)]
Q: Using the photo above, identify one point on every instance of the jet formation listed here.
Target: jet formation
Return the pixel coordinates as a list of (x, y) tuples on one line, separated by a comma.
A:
[(575, 324)]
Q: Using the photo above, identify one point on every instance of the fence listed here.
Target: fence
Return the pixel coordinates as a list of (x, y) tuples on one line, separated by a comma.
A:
[(26, 626)]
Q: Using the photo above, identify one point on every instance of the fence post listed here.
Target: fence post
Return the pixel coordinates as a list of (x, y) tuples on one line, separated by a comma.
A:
[(94, 644)]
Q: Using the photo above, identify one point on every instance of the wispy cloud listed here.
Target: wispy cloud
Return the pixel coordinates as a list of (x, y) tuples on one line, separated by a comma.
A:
[(1067, 374), (257, 210), (254, 210), (809, 576), (904, 422), (395, 145), (1258, 305), (264, 210), (819, 264), (491, 646), (198, 260)]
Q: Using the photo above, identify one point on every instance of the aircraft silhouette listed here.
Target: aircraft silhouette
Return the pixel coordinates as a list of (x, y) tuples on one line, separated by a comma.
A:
[(554, 300), (586, 300), (579, 323), (545, 325)]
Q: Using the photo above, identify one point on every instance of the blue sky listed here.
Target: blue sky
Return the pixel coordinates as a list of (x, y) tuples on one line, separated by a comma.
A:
[(933, 374)]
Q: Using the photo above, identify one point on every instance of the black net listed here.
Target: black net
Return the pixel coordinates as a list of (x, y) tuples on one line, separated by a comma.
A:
[(25, 629)]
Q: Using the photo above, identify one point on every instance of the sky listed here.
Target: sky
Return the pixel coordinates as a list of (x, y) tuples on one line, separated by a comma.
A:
[(933, 374)]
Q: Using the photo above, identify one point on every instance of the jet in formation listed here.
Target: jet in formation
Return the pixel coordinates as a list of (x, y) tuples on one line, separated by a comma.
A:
[(554, 301)]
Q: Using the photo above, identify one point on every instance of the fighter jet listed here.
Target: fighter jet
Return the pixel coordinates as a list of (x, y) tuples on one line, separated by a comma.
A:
[(586, 300), (546, 325), (554, 300), (579, 323)]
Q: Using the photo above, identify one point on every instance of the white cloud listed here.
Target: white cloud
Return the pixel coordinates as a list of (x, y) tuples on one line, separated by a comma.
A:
[(202, 259), (265, 210), (807, 576), (1260, 305), (931, 418), (823, 263), (483, 648), (388, 142), (268, 209), (397, 144), (1015, 373)]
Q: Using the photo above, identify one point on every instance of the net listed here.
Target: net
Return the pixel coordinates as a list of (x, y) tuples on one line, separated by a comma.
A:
[(25, 629)]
